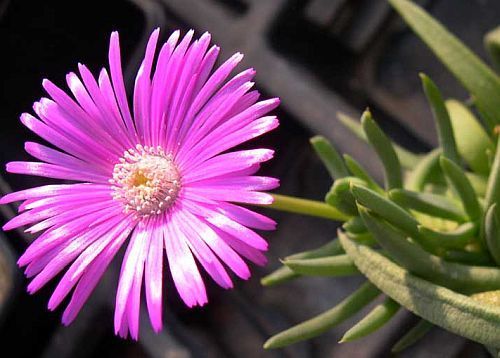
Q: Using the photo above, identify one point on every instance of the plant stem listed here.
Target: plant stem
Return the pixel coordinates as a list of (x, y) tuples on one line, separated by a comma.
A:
[(306, 207)]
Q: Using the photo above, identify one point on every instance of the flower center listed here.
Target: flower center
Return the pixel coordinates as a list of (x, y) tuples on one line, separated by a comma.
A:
[(146, 181)]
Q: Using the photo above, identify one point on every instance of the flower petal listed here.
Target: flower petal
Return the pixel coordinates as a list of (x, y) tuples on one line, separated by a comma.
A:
[(153, 276), (91, 277), (227, 163), (132, 267), (187, 278), (99, 253)]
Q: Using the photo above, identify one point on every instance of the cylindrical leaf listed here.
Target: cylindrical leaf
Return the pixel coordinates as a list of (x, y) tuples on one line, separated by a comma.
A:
[(424, 170), (330, 157), (471, 139), (327, 320), (457, 238), (340, 265), (385, 151), (412, 336), (462, 187), (285, 274), (340, 195), (492, 44), (492, 233), (442, 119), (358, 171), (408, 159), (456, 276), (493, 187), (427, 203), (391, 212), (374, 320)]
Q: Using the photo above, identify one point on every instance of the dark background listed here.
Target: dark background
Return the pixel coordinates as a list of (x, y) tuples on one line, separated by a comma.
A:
[(320, 57)]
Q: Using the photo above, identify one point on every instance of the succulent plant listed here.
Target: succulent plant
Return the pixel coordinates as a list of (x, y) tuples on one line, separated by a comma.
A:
[(429, 237)]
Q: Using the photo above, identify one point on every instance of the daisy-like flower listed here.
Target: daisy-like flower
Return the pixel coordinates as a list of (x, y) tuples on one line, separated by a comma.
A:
[(158, 180)]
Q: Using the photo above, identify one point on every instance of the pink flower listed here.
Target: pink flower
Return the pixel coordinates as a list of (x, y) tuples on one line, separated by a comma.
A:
[(158, 180)]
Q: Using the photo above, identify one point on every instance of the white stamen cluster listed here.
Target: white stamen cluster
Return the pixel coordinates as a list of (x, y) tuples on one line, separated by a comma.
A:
[(146, 181)]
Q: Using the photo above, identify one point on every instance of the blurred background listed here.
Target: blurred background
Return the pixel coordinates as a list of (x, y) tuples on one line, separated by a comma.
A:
[(320, 57)]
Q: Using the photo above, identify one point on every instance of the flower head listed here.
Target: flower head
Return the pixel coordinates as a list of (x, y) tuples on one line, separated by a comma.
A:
[(159, 179)]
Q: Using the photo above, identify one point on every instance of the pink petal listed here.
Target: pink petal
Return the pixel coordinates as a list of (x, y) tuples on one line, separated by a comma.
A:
[(108, 94), (171, 83), (102, 119), (227, 163), (49, 190), (219, 246), (132, 269), (108, 120), (249, 183), (71, 250), (142, 91), (98, 253), (52, 156), (118, 85), (242, 248), (153, 276), (58, 235), (233, 228), (54, 171), (246, 217), (60, 140), (183, 268), (91, 277), (215, 111), (234, 195), (202, 251), (220, 140), (159, 86), (214, 82)]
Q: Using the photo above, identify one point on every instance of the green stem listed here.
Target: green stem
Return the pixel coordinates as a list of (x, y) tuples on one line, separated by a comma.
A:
[(306, 207)]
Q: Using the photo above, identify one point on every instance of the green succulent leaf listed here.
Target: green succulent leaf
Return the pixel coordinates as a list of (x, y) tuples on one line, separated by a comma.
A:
[(442, 119), (358, 171), (476, 258), (329, 156), (424, 171), (428, 203), (459, 277), (451, 310), (492, 232), (478, 182), (462, 187), (383, 146), (374, 320), (340, 265), (285, 274), (327, 320), (454, 239), (354, 225), (408, 159), (472, 141), (340, 195), (469, 69), (416, 333), (390, 211), (493, 186), (492, 44)]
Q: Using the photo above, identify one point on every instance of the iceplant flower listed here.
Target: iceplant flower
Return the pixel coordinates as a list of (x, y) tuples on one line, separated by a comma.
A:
[(159, 179)]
